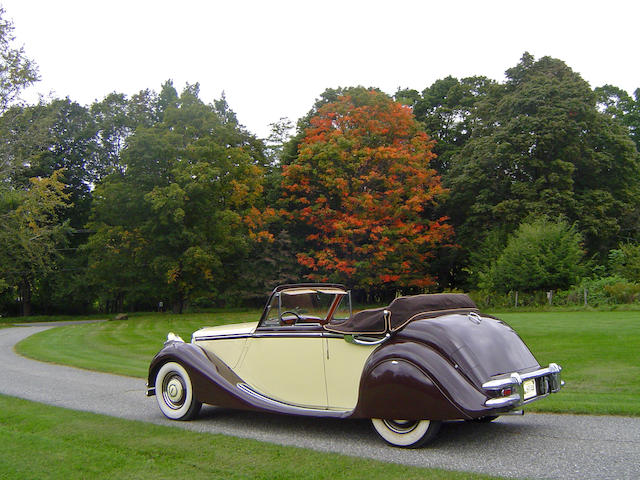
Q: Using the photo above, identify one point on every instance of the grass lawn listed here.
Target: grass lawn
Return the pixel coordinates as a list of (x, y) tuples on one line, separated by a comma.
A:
[(121, 346), (44, 442), (9, 321), (599, 351)]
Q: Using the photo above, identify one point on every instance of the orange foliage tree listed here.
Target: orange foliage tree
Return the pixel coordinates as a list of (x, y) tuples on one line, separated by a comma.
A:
[(363, 192)]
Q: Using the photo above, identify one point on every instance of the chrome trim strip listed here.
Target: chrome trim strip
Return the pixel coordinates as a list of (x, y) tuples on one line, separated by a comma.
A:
[(247, 389), (221, 337), (260, 335), (332, 335), (287, 334)]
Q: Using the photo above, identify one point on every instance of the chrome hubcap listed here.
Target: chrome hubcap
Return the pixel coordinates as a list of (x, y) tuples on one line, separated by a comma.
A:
[(174, 391), (401, 426)]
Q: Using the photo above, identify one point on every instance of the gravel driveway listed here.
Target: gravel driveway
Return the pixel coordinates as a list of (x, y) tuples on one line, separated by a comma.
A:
[(532, 446)]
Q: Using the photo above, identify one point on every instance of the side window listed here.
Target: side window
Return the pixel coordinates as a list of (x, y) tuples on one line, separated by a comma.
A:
[(343, 309)]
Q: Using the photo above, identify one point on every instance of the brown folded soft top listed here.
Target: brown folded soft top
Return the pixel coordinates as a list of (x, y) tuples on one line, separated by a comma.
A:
[(402, 311)]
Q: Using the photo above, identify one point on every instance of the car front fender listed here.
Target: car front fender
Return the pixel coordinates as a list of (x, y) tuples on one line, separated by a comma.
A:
[(213, 381)]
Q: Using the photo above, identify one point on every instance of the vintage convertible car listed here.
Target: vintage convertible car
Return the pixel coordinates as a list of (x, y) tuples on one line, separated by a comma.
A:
[(422, 360)]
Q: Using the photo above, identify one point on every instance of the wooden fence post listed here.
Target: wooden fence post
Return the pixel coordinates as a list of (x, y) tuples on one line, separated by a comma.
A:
[(585, 297)]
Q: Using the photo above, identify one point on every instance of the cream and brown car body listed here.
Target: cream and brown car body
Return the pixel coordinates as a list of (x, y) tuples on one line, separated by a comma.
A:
[(423, 359)]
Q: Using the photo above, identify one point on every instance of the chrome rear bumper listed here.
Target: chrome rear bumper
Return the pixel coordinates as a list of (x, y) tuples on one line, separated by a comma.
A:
[(548, 380)]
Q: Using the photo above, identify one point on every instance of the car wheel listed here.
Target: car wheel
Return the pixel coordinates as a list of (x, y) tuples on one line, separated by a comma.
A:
[(406, 433), (174, 392)]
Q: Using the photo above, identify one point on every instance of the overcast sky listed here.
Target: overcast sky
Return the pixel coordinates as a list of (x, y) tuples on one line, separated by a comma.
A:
[(274, 58)]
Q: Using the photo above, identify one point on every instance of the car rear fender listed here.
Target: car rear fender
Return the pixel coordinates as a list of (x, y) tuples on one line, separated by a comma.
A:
[(410, 380)]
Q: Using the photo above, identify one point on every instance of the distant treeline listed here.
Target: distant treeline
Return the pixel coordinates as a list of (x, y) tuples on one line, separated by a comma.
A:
[(162, 201)]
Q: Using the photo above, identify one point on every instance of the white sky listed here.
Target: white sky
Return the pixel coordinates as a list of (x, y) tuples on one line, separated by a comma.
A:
[(274, 58)]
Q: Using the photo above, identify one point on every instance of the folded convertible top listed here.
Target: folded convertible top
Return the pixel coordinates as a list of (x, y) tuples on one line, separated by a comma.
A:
[(402, 311)]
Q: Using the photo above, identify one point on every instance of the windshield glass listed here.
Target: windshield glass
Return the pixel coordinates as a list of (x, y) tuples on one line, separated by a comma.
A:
[(308, 305)]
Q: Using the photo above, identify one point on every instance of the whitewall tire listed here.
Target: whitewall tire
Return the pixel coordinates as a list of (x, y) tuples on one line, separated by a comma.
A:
[(406, 433), (174, 392)]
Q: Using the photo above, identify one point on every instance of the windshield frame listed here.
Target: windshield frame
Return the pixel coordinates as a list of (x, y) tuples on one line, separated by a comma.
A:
[(340, 294)]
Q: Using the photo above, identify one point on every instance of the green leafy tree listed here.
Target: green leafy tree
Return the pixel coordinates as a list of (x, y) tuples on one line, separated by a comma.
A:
[(57, 135), (540, 255), (30, 233), (183, 207), (447, 110), (47, 137), (116, 119), (625, 261), (17, 71), (618, 104), (541, 147), (117, 268), (361, 191), (87, 143)]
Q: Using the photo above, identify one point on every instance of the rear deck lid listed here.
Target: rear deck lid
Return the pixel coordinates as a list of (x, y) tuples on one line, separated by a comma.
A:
[(482, 347)]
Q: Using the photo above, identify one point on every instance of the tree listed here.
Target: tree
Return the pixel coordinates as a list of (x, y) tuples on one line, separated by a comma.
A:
[(114, 125), (275, 143), (16, 73), (181, 209), (56, 136), (448, 111), (620, 106), (16, 70), (116, 267), (625, 261), (540, 255), (30, 233), (361, 192), (541, 147)]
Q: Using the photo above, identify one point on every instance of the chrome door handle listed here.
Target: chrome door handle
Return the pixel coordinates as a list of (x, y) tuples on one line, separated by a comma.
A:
[(356, 341)]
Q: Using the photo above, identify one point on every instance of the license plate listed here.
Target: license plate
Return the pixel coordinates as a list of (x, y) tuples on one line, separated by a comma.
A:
[(529, 389)]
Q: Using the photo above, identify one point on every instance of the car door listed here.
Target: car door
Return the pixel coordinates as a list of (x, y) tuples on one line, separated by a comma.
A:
[(286, 364), (344, 363)]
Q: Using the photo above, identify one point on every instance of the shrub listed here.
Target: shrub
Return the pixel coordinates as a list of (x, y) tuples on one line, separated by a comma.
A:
[(623, 292), (610, 290), (541, 255), (625, 261)]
